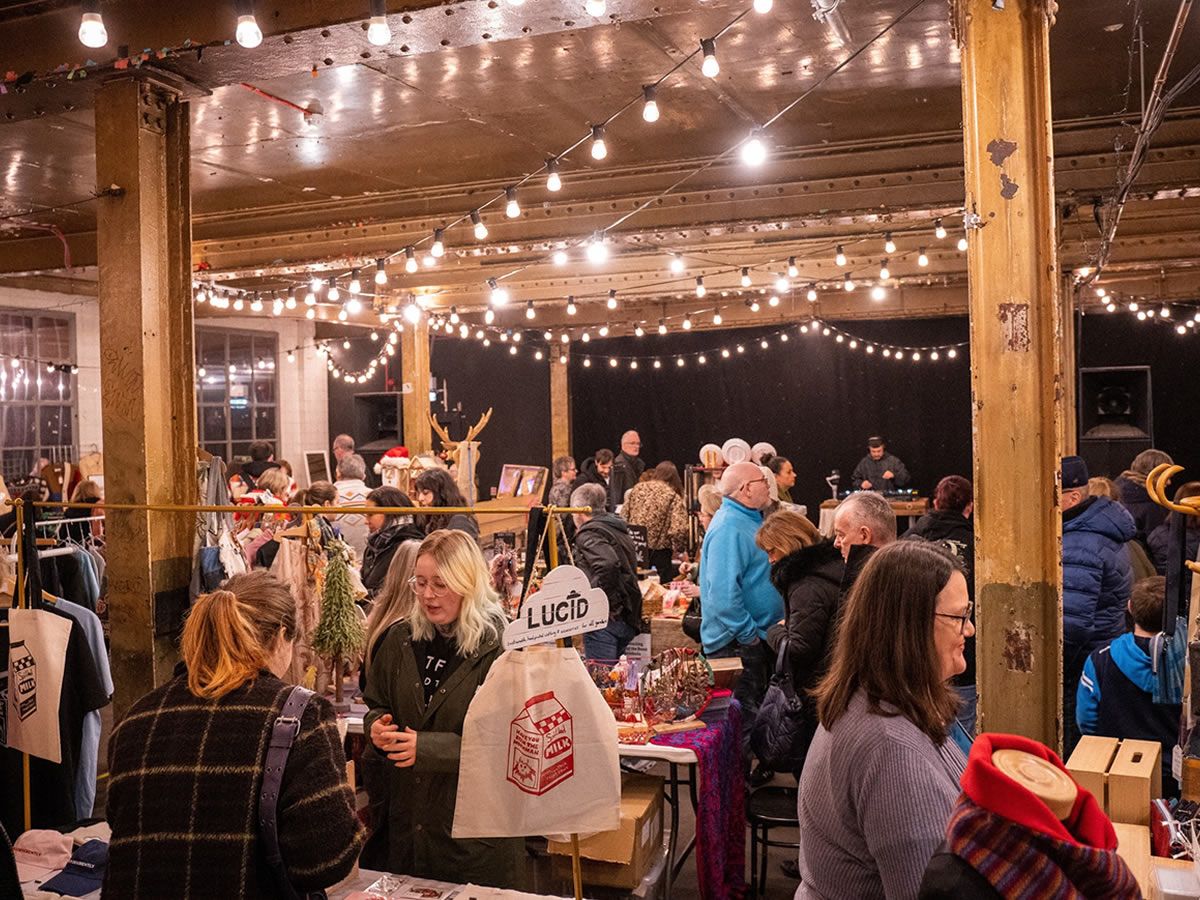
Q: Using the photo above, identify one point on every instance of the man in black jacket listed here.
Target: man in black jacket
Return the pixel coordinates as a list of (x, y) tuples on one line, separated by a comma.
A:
[(626, 470), (596, 469), (879, 470), (950, 526), (604, 550)]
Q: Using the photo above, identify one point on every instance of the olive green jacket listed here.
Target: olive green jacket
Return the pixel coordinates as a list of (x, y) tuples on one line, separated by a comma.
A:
[(421, 797)]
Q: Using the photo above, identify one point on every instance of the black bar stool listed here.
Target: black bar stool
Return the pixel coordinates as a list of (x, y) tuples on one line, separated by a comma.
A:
[(768, 807)]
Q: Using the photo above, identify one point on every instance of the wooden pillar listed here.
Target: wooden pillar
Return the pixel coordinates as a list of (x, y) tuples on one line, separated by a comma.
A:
[(1069, 367), (1016, 335), (560, 404), (147, 372), (414, 365)]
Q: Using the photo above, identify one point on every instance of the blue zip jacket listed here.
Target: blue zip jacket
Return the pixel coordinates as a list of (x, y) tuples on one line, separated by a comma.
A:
[(1097, 577), (740, 603)]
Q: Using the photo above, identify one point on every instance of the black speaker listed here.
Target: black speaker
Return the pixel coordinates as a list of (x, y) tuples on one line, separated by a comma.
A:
[(1115, 414)]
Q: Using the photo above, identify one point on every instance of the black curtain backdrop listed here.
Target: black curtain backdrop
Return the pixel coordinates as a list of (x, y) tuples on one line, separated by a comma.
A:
[(815, 400), (1119, 339)]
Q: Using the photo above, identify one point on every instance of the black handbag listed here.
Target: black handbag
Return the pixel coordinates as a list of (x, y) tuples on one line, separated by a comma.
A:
[(691, 620), (778, 735)]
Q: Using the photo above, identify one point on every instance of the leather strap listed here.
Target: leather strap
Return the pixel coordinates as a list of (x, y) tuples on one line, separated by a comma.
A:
[(283, 735)]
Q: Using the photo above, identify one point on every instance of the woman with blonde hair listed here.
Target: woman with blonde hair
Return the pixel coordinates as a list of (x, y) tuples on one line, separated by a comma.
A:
[(807, 571), (420, 683), (187, 760)]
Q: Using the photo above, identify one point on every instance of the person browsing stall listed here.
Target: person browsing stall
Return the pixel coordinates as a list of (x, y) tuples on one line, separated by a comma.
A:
[(434, 488), (882, 774), (387, 532), (879, 470), (627, 469), (604, 549), (420, 684), (186, 764)]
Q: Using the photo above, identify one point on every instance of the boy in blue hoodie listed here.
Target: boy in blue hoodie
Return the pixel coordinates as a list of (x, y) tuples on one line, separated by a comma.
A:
[(1115, 697)]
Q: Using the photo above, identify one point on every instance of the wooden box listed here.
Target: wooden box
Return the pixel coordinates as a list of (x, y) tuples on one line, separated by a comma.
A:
[(1089, 765), (1134, 779)]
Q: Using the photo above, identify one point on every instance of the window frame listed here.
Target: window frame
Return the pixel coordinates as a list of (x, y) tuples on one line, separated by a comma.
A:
[(264, 345)]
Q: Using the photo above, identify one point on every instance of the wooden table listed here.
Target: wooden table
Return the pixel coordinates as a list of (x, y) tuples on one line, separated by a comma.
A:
[(912, 509)]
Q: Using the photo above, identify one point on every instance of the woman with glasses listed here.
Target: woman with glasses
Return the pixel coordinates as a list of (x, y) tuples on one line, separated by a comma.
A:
[(883, 771), (419, 685)]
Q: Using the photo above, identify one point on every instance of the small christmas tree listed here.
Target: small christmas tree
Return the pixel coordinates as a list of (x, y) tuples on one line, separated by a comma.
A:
[(340, 632)]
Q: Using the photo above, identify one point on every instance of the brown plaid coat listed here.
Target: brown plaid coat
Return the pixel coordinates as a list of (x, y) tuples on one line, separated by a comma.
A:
[(185, 774)]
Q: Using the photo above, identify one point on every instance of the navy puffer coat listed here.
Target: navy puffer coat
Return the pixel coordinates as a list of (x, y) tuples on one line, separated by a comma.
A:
[(1097, 577)]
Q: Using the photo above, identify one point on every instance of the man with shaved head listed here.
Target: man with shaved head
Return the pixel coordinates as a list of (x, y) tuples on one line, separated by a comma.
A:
[(740, 603), (627, 468)]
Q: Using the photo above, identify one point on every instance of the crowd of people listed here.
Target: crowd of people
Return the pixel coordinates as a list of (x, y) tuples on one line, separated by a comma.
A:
[(893, 723)]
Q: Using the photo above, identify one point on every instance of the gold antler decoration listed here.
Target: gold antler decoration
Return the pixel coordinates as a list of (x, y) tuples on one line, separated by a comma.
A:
[(453, 448), (1156, 486)]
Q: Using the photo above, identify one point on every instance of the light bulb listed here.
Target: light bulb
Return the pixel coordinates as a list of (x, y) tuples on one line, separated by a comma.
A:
[(553, 181), (378, 32), (1165, 313), (612, 299), (354, 306), (248, 34), (677, 264), (812, 295), (238, 304), (412, 313), (762, 7), (962, 244), (599, 148), (585, 337), (745, 277), (595, 8), (559, 258), (597, 250), (650, 106), (334, 294), (256, 305), (1133, 306), (889, 246), (438, 249), (754, 150), (717, 320), (1101, 292), (939, 229), (489, 317), (410, 260), (564, 338), (773, 301), (638, 330), (840, 257), (754, 307), (687, 323), (454, 315), (782, 285), (884, 272), (604, 330), (662, 326), (922, 259), (878, 292), (374, 337), (512, 208), (710, 67), (499, 295), (571, 307), (481, 231), (848, 284), (701, 290), (530, 312), (355, 286), (793, 271), (380, 272), (92, 32), (316, 284)]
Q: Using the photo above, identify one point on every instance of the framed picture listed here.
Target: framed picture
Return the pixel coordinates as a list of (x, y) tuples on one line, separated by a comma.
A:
[(533, 482), (510, 480), (317, 464)]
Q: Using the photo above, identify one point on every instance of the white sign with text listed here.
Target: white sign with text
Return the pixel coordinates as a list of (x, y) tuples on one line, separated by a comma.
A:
[(565, 605)]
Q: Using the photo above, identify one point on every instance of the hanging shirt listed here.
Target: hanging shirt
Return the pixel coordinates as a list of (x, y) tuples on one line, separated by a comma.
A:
[(89, 747), (436, 659)]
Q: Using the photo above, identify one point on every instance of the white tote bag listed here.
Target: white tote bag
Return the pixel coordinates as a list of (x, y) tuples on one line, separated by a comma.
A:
[(37, 654), (539, 751)]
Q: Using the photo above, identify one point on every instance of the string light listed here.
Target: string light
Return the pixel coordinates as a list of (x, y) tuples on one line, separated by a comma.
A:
[(597, 249), (922, 259), (677, 264), (939, 229), (717, 320), (792, 269), (256, 305), (571, 307), (889, 245), (599, 148), (595, 8), (773, 300), (662, 326), (701, 290), (438, 248), (879, 292), (782, 285), (410, 259), (238, 304), (754, 307), (92, 32), (848, 284), (512, 208), (316, 284), (710, 67), (333, 294), (884, 272), (560, 257), (762, 7), (248, 34), (355, 285), (812, 294), (553, 179), (638, 330), (754, 150), (611, 303), (650, 103), (530, 312), (840, 257), (745, 277), (499, 296), (962, 244), (489, 316), (380, 272), (687, 323), (378, 32), (481, 231), (604, 330)]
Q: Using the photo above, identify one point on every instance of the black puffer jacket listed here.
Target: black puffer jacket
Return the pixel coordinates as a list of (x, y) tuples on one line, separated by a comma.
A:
[(1147, 514), (810, 581), (381, 547), (956, 534), (604, 549), (588, 474)]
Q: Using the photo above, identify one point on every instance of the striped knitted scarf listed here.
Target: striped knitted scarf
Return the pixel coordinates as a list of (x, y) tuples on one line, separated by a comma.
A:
[(1012, 839)]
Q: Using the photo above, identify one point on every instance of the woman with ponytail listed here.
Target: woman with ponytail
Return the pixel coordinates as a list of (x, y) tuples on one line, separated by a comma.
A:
[(186, 764)]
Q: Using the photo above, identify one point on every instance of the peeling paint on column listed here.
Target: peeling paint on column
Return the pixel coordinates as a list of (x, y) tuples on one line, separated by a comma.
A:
[(1018, 647), (1008, 187), (1000, 150), (1014, 320)]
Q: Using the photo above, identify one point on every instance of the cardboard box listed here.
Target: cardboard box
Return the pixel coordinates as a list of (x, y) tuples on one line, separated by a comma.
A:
[(1134, 779), (621, 858), (1089, 765)]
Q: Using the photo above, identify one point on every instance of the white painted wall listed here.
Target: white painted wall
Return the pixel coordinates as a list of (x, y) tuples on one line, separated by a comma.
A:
[(303, 385)]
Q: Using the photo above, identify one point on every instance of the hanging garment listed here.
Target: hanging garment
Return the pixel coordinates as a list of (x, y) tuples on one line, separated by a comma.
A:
[(77, 579), (89, 747), (217, 555)]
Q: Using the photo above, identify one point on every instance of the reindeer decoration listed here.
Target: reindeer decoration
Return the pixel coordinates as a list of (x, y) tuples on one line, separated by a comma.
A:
[(464, 454)]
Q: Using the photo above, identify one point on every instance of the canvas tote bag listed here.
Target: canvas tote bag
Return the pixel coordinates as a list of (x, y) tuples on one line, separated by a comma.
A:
[(539, 751)]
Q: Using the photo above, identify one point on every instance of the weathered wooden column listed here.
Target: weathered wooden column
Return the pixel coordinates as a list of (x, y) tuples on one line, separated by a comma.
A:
[(414, 366), (1015, 368), (560, 404), (146, 368)]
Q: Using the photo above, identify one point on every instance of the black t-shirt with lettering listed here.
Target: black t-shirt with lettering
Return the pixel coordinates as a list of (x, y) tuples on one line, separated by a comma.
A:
[(436, 659)]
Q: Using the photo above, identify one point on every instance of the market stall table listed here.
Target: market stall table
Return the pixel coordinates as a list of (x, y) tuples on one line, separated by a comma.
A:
[(911, 508), (365, 878)]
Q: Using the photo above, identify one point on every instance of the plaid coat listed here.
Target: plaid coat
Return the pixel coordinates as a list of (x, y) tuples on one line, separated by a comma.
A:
[(185, 775)]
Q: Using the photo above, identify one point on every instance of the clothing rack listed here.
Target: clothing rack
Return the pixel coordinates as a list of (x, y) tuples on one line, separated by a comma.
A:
[(51, 523)]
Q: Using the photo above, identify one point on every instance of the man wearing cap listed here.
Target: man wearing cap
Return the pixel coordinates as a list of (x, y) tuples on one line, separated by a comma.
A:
[(1097, 578), (879, 470)]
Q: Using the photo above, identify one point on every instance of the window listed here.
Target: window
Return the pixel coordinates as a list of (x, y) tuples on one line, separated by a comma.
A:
[(235, 390), (37, 407)]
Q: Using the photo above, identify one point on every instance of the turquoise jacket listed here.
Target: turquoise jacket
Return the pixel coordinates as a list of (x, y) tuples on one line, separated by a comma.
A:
[(740, 603)]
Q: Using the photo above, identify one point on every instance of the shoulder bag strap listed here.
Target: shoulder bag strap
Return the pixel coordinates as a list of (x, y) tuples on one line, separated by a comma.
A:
[(283, 734)]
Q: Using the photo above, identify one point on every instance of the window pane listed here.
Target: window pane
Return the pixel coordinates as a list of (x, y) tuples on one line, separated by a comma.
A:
[(212, 424), (19, 429), (51, 425), (241, 352), (241, 452), (264, 423), (240, 423), (54, 340)]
